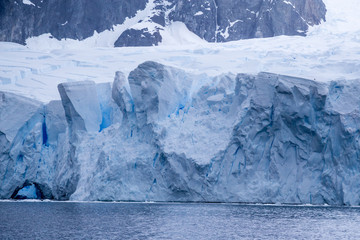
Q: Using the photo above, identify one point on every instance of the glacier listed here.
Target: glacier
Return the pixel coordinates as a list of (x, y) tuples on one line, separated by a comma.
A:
[(166, 134), (178, 123)]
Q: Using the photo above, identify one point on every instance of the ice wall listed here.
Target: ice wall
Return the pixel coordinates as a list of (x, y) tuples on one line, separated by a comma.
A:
[(30, 137), (167, 135)]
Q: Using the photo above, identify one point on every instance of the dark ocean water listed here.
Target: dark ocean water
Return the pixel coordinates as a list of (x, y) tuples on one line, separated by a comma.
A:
[(69, 220)]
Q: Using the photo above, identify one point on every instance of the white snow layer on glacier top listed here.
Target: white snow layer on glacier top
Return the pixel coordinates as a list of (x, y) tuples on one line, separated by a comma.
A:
[(331, 51)]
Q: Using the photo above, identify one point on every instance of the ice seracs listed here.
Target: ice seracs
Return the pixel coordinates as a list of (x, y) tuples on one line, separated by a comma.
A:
[(81, 105), (263, 138)]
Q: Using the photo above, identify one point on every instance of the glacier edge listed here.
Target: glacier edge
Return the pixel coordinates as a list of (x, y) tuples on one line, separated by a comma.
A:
[(163, 134)]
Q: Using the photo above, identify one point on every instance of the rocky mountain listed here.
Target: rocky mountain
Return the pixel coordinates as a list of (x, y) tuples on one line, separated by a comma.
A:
[(212, 20), (76, 19)]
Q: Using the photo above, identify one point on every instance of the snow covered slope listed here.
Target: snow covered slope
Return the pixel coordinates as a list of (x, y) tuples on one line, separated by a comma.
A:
[(330, 52)]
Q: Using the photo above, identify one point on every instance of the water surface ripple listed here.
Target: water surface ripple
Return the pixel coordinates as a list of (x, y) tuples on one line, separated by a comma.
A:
[(69, 220)]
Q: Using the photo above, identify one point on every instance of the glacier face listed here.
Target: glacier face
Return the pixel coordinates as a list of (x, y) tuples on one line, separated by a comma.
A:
[(163, 134)]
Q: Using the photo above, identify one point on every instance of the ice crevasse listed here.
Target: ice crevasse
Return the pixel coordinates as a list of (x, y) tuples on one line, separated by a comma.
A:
[(162, 134)]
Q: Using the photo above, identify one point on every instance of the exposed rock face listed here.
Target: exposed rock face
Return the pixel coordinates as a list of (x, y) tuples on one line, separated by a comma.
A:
[(212, 20), (76, 19), (166, 135), (227, 20), (133, 37)]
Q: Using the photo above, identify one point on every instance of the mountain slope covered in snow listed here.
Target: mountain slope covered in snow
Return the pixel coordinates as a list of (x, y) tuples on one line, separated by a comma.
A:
[(142, 22)]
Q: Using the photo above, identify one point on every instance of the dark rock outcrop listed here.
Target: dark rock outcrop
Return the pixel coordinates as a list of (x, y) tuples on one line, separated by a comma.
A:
[(75, 19), (212, 20), (228, 20), (134, 37)]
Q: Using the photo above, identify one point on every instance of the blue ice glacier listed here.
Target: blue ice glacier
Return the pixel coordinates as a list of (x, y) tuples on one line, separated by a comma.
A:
[(163, 134)]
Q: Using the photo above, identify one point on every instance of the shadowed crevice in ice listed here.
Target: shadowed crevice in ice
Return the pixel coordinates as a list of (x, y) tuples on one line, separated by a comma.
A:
[(32, 190)]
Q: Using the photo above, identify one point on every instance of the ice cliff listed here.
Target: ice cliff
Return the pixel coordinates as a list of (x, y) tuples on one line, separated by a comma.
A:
[(163, 134)]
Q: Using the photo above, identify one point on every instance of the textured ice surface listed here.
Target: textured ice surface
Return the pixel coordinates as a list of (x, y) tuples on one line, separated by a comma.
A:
[(164, 134), (29, 149), (36, 73), (81, 105), (14, 112), (176, 134)]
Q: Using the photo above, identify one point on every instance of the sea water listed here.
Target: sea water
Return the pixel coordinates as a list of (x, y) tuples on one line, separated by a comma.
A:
[(72, 220)]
